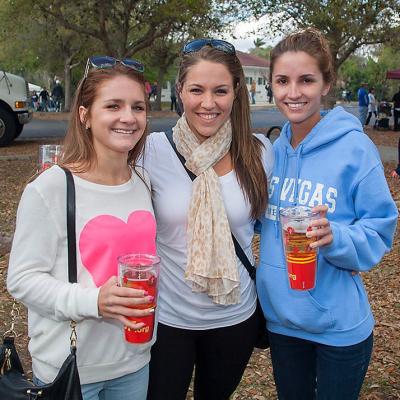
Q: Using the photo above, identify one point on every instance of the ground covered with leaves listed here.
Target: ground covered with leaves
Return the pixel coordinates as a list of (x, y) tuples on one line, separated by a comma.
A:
[(17, 166)]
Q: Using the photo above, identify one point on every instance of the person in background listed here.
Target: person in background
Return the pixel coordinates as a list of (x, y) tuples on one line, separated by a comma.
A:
[(344, 95), (321, 339), (362, 96), (173, 97), (58, 95), (270, 96), (207, 302), (396, 172), (43, 99), (148, 89), (105, 137), (253, 90), (35, 100), (396, 112), (154, 90), (372, 106)]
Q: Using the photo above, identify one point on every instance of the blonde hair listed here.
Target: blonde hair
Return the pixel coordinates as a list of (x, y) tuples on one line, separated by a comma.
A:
[(245, 149), (78, 147)]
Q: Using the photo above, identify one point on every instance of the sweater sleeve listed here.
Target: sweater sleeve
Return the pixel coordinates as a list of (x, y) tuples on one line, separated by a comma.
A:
[(35, 261), (362, 244)]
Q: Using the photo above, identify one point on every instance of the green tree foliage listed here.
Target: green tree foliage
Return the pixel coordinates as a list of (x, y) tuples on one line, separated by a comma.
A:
[(263, 52), (258, 43), (348, 24), (260, 49), (57, 35), (372, 70), (125, 27), (163, 53), (38, 48)]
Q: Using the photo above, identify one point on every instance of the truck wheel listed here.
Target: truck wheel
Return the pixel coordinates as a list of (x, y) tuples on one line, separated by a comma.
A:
[(7, 128), (18, 129)]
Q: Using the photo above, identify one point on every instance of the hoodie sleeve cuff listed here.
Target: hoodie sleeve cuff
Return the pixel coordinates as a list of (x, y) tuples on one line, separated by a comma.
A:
[(335, 249), (92, 303)]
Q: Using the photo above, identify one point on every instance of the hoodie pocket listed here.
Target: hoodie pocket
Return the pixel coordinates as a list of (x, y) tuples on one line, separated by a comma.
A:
[(293, 309)]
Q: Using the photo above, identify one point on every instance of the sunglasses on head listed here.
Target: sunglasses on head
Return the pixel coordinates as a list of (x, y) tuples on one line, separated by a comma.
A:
[(104, 62), (198, 44)]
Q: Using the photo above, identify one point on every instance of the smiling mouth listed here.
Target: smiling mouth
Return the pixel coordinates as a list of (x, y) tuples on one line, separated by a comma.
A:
[(296, 106), (208, 116), (124, 131)]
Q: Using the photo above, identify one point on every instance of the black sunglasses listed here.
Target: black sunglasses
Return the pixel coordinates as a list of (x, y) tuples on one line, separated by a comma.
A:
[(103, 62), (198, 44)]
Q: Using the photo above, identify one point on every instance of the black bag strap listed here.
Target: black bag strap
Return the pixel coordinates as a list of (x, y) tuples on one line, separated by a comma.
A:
[(71, 230), (238, 249)]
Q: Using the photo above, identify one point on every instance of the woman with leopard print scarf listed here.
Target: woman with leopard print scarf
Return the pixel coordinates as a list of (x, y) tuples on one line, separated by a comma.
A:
[(207, 299)]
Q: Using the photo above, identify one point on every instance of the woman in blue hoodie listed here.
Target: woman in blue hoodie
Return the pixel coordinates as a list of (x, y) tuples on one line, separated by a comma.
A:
[(321, 339)]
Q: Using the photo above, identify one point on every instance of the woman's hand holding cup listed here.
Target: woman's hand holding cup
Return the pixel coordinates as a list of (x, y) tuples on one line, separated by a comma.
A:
[(321, 228), (116, 302)]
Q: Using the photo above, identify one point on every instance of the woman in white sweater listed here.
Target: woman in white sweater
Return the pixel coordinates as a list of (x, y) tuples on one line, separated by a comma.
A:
[(114, 216)]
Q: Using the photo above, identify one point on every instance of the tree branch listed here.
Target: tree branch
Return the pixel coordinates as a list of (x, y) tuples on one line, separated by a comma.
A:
[(69, 25)]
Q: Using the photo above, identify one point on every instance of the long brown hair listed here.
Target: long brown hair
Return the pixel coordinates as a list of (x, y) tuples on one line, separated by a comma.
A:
[(312, 42), (78, 147), (246, 149)]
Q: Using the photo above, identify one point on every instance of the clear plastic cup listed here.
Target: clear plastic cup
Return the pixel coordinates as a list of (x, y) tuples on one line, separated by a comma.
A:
[(301, 259), (140, 271), (49, 154)]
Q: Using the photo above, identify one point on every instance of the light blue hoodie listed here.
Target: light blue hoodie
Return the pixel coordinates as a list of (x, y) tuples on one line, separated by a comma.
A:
[(337, 165)]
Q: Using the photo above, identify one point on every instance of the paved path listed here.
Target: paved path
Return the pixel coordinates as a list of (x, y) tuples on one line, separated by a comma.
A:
[(262, 115), (387, 154)]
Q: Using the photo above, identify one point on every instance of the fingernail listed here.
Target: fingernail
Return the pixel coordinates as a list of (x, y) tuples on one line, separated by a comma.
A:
[(150, 298), (145, 293), (151, 310)]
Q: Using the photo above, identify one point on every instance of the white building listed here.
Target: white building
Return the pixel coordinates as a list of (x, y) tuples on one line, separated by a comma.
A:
[(255, 69)]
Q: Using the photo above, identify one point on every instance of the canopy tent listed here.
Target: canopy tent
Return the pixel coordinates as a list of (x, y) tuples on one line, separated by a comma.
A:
[(33, 87), (395, 74)]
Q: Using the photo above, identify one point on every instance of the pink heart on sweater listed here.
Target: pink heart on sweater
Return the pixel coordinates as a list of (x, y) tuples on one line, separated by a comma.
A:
[(104, 238)]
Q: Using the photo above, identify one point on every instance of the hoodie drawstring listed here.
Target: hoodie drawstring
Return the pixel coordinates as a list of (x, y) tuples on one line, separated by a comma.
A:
[(296, 182), (281, 181)]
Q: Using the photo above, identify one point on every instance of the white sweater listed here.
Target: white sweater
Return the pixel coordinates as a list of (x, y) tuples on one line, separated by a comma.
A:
[(110, 221), (178, 306)]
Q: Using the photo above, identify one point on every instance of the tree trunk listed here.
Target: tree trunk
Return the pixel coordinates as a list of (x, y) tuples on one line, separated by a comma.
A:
[(67, 84), (68, 66), (329, 101)]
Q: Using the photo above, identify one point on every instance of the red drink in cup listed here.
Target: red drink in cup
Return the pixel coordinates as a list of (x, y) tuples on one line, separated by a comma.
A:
[(301, 259), (140, 271), (49, 155)]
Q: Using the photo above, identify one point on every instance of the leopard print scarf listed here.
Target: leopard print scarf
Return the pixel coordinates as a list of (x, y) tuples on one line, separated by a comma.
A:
[(211, 258)]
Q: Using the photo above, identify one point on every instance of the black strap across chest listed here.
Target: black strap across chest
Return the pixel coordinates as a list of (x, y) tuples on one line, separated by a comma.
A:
[(238, 249), (71, 231)]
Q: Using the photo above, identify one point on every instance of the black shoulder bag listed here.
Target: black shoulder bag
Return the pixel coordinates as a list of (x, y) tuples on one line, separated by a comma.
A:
[(262, 341), (66, 386)]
